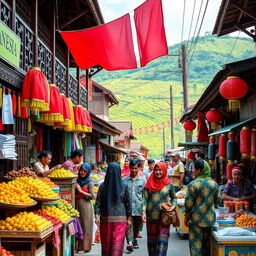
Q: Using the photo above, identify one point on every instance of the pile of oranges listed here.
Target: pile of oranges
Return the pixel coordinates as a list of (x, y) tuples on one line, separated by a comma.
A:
[(48, 182), (57, 213), (34, 187), (246, 221), (26, 221), (13, 194)]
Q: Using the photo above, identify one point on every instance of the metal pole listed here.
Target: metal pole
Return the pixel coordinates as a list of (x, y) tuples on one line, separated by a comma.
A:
[(163, 141), (185, 83), (185, 75), (171, 118)]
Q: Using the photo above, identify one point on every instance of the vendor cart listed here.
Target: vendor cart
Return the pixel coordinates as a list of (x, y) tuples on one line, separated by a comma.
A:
[(232, 245), (182, 229)]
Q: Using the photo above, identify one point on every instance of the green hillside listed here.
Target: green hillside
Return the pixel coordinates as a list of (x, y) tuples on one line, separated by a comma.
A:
[(139, 90)]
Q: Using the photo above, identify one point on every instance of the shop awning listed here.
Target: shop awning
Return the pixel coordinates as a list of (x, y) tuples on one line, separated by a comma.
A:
[(189, 145), (235, 126), (112, 148)]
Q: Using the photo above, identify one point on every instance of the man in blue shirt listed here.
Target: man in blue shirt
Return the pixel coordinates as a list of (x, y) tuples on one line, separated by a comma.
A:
[(135, 185), (151, 165)]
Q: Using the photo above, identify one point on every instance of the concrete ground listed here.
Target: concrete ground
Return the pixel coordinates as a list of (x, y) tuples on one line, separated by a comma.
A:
[(177, 246)]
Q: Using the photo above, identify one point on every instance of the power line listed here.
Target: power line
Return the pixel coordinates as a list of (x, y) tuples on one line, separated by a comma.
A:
[(197, 20), (232, 47), (205, 9), (192, 18), (183, 18)]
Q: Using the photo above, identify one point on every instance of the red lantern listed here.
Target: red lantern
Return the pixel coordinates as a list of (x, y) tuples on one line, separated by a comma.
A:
[(229, 168), (214, 116), (191, 155), (223, 147), (189, 126), (253, 144), (233, 88), (245, 142)]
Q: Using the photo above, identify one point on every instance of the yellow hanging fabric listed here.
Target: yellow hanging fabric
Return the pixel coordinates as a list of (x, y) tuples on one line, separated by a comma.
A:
[(19, 107)]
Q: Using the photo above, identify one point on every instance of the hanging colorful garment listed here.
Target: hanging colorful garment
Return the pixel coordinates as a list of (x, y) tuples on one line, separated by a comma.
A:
[(88, 121), (70, 127), (79, 118), (55, 112), (22, 112), (35, 91), (7, 116), (14, 104), (39, 139)]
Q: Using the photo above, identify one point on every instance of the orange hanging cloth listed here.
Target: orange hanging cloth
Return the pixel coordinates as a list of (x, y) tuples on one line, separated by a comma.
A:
[(35, 91), (14, 104), (55, 112)]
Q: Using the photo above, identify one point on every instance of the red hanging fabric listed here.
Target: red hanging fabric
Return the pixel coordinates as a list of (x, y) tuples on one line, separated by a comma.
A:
[(202, 134), (109, 45), (151, 36), (39, 139), (14, 104)]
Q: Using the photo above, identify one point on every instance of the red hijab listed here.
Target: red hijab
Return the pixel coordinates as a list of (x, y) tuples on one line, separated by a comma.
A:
[(154, 184)]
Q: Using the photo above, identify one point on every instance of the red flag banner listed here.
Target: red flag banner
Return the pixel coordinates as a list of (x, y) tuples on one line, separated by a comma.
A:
[(109, 45), (150, 30), (152, 127), (146, 130), (158, 127)]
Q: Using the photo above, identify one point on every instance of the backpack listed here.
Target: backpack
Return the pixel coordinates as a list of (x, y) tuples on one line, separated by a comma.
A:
[(187, 177)]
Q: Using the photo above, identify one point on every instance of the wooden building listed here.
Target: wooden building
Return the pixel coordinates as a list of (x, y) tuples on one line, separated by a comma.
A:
[(37, 23)]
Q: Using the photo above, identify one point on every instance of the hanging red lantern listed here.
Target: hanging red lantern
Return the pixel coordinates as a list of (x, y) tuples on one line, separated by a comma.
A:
[(223, 147), (229, 168), (189, 126), (214, 116), (191, 155), (245, 142), (233, 89), (253, 144)]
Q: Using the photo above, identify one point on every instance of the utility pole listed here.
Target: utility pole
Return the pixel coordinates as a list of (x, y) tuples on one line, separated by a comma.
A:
[(171, 118), (185, 82), (163, 141), (185, 75)]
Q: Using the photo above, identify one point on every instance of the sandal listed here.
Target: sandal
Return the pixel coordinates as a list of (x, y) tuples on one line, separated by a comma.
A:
[(129, 247), (81, 252)]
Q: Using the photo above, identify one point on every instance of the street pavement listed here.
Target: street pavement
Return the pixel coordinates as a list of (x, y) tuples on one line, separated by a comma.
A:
[(177, 246)]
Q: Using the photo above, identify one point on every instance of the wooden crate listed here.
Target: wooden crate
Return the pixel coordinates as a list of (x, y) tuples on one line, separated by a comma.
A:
[(26, 234)]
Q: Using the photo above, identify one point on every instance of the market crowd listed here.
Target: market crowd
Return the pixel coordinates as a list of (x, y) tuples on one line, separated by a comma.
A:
[(137, 195)]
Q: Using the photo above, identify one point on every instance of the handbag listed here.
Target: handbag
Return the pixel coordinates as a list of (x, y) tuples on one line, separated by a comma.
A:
[(167, 217)]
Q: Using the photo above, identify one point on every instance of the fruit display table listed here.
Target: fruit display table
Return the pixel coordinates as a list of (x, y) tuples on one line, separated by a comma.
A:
[(67, 189), (232, 245)]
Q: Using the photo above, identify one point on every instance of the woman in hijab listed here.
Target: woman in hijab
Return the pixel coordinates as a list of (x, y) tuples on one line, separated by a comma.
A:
[(113, 212), (84, 195), (158, 189), (200, 216)]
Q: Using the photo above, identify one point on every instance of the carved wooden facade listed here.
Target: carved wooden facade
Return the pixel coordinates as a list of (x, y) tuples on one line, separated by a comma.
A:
[(19, 16)]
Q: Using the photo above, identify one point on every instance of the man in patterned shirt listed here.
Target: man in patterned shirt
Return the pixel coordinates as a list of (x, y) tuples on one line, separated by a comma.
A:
[(135, 185)]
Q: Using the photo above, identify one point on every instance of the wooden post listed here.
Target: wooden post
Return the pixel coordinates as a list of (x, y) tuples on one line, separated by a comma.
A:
[(34, 26), (53, 41), (67, 71), (78, 88), (13, 14)]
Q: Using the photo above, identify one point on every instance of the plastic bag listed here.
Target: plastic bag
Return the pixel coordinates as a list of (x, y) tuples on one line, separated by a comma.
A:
[(235, 232)]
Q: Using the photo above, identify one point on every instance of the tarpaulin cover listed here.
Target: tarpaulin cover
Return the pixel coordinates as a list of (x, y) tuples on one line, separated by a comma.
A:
[(151, 37), (109, 45)]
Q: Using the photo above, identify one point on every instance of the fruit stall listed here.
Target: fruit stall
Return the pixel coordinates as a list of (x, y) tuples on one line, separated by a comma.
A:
[(234, 234), (34, 218)]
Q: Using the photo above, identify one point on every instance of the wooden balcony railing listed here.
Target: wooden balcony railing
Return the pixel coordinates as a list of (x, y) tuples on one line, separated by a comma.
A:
[(45, 56)]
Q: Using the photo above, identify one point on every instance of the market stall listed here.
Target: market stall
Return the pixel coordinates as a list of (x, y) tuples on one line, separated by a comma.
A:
[(34, 218), (234, 232)]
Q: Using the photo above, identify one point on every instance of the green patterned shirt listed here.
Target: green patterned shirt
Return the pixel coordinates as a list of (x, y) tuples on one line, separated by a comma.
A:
[(151, 201), (200, 199)]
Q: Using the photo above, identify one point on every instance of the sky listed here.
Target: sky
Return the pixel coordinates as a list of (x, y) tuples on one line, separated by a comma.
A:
[(173, 14)]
